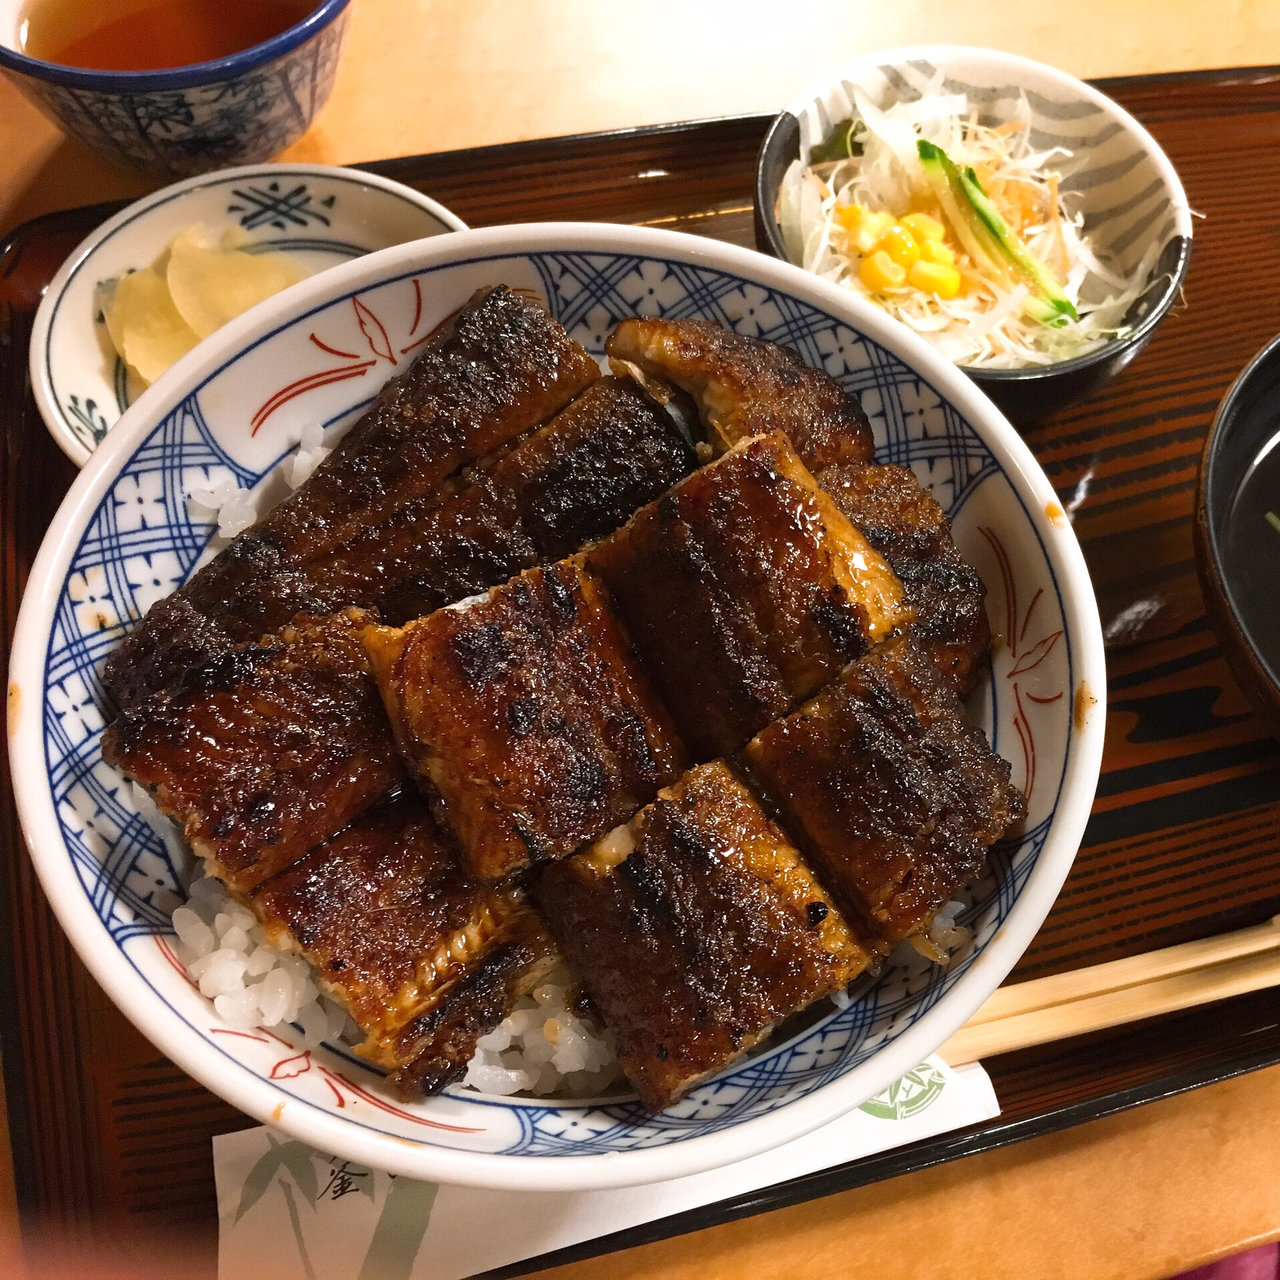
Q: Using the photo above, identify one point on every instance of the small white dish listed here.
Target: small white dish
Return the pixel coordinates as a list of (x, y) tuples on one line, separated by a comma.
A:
[(234, 408), (319, 214)]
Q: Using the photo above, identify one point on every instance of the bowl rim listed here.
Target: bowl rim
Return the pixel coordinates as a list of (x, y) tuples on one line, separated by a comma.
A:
[(250, 1093), (937, 54), (189, 76), (48, 313), (1210, 497)]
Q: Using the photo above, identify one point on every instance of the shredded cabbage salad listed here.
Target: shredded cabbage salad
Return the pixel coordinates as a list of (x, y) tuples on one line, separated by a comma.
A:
[(960, 277)]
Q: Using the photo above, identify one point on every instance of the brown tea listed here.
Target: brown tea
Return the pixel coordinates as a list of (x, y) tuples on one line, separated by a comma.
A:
[(152, 35)]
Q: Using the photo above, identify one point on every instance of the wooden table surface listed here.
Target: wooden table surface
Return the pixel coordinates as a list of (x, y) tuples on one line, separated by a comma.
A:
[(1142, 1194)]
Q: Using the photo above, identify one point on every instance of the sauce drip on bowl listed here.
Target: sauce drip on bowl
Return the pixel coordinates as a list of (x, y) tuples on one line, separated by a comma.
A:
[(1251, 552), (151, 35)]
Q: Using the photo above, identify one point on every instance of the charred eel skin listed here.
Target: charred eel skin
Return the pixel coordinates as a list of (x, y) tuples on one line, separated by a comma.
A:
[(901, 520), (266, 751), (527, 716), (891, 792), (424, 957), (744, 589), (744, 387), (573, 480), (696, 929), (500, 367)]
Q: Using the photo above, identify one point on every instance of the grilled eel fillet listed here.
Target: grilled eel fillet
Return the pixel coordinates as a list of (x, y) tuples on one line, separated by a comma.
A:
[(581, 474), (498, 368), (572, 481), (891, 792), (746, 387), (266, 751), (424, 958), (887, 505), (696, 929), (526, 715), (745, 589), (743, 386)]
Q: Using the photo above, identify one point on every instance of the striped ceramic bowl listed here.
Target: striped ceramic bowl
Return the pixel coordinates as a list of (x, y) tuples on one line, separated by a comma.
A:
[(1116, 174)]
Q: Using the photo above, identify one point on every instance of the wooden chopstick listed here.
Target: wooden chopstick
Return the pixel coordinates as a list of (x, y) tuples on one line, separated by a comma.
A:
[(1105, 995)]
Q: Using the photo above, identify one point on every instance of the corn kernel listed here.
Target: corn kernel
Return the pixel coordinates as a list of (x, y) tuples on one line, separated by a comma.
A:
[(900, 245), (866, 236), (932, 277), (924, 228), (850, 215), (936, 251), (879, 272)]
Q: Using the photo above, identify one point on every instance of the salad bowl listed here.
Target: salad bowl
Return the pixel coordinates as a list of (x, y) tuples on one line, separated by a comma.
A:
[(1114, 173), (237, 406)]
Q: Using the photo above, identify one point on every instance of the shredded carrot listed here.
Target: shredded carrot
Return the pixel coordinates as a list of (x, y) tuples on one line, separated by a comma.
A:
[(1008, 127), (1059, 240), (1029, 206)]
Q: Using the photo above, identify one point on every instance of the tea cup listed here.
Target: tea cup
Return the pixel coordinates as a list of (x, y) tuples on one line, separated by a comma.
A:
[(180, 121)]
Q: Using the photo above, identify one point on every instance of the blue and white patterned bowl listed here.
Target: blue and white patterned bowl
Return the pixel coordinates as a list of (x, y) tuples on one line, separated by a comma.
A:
[(184, 120), (234, 407), (320, 215)]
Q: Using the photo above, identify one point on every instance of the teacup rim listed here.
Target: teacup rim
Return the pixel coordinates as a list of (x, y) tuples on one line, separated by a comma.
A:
[(189, 76)]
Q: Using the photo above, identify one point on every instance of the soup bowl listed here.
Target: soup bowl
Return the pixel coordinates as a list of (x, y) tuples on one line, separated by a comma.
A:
[(126, 536), (1237, 539), (186, 120)]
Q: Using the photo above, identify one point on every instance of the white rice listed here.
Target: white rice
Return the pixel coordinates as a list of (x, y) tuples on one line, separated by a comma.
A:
[(251, 983), (544, 1047), (311, 452), (234, 508), (944, 936), (946, 932)]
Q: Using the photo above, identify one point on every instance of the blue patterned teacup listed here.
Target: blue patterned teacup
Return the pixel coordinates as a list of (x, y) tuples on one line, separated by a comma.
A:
[(188, 120)]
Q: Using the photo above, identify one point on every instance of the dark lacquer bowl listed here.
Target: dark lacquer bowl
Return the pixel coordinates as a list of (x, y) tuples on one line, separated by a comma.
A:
[(1123, 182), (1237, 530)]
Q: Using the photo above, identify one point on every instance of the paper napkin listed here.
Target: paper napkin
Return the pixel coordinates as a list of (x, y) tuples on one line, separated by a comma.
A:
[(317, 1217)]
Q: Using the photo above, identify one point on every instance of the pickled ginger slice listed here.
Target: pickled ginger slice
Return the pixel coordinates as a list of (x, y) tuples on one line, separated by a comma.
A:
[(214, 281), (145, 326)]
